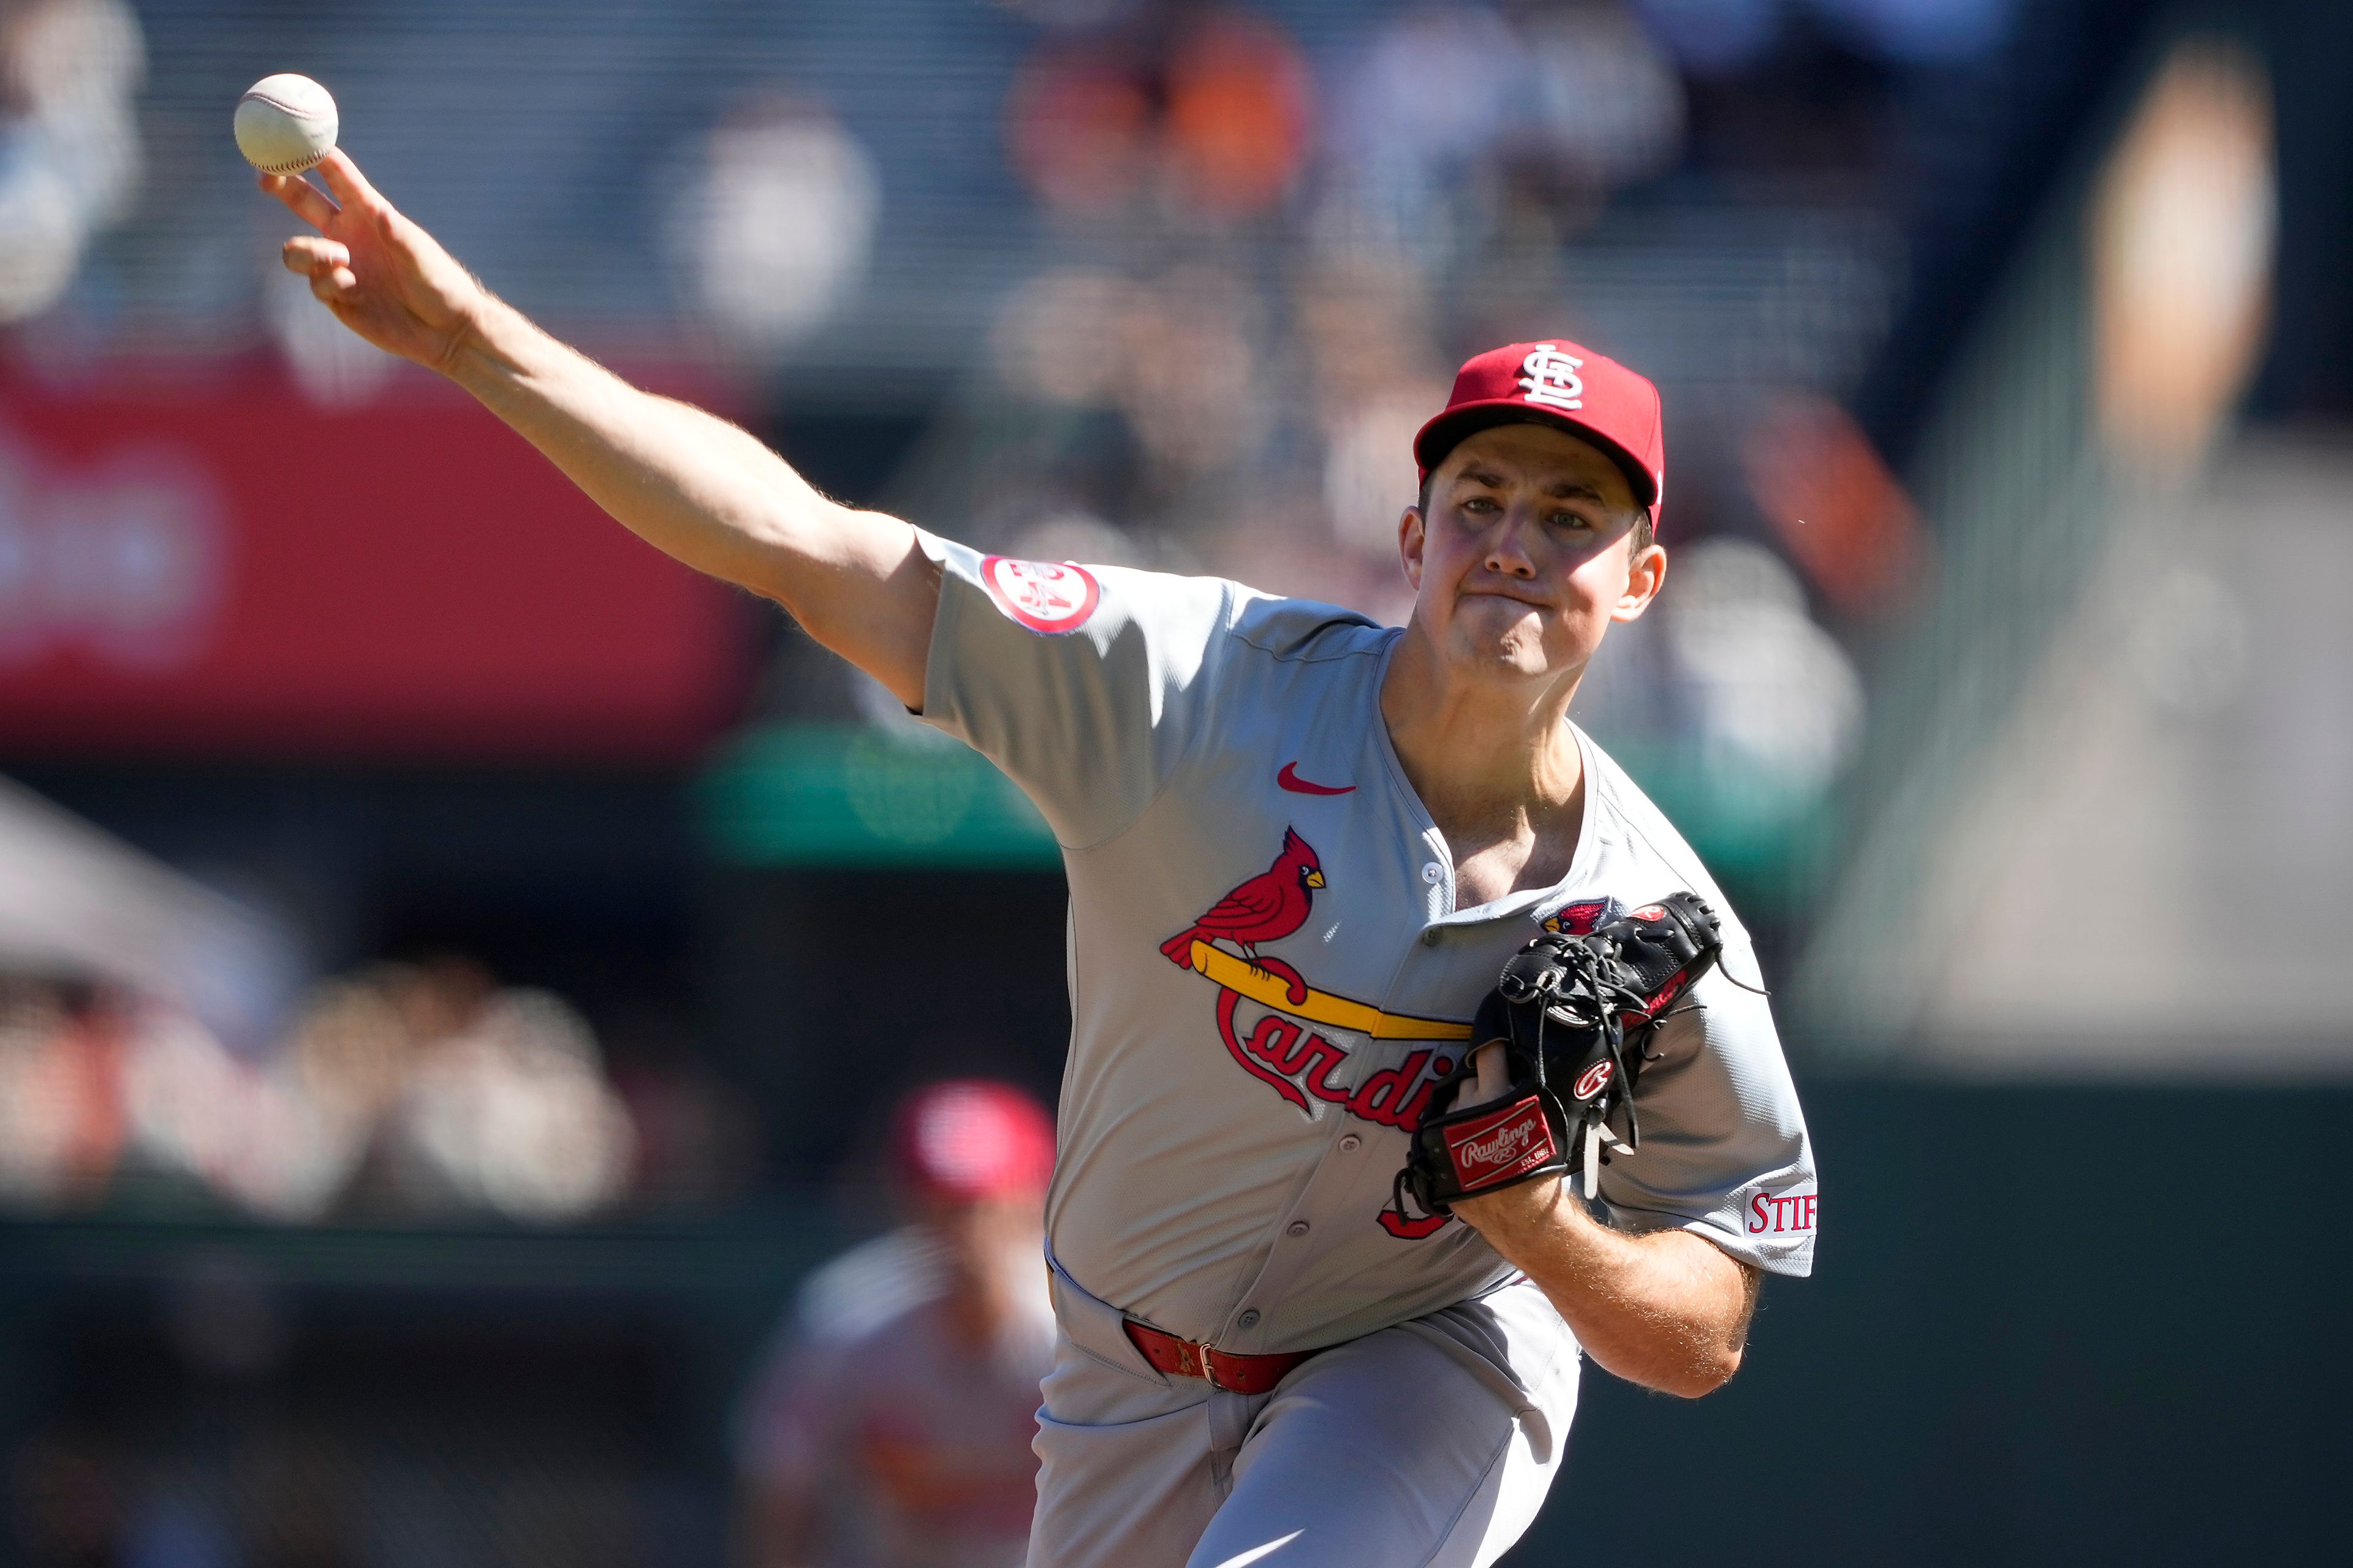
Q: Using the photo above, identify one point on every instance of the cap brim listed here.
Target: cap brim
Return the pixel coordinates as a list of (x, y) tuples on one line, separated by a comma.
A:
[(1450, 427)]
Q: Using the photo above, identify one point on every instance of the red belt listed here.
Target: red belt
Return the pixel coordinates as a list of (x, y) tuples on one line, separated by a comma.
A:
[(1221, 1369)]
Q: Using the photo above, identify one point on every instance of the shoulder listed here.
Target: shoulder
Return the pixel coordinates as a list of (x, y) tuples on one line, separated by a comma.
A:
[(1303, 630), (1069, 596), (1281, 628)]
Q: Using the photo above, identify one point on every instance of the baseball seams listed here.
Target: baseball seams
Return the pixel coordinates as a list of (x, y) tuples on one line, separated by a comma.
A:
[(287, 129)]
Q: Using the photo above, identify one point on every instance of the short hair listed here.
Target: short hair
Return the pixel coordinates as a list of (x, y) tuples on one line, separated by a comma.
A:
[(1644, 529)]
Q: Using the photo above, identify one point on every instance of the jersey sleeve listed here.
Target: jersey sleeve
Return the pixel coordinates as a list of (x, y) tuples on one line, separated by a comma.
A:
[(1084, 684), (1725, 1152)]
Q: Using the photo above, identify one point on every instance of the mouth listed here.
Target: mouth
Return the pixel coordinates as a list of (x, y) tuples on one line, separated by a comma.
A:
[(1499, 594)]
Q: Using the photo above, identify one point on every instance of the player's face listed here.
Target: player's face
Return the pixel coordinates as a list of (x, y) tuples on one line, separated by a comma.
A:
[(1527, 553)]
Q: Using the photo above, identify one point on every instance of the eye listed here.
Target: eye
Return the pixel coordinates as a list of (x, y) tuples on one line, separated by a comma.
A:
[(1481, 503), (1571, 520)]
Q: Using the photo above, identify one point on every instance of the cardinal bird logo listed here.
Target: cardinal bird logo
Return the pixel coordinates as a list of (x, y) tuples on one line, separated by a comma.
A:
[(1266, 908), (1280, 1030)]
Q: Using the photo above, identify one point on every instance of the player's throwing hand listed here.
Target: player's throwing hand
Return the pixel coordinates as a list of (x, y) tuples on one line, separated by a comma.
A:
[(383, 277)]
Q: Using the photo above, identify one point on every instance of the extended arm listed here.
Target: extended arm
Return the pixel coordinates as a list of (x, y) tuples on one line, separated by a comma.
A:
[(687, 482), (1668, 1309)]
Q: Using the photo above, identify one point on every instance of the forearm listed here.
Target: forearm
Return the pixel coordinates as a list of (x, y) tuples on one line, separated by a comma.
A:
[(687, 482), (708, 493), (1667, 1310)]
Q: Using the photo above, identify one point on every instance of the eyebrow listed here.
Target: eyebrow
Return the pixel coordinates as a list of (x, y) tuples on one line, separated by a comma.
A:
[(1564, 489)]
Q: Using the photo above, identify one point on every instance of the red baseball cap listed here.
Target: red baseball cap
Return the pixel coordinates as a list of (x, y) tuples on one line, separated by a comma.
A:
[(1558, 383), (970, 1138)]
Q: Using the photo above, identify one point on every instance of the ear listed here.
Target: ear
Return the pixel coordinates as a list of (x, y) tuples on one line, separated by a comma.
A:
[(1413, 536), (1646, 573)]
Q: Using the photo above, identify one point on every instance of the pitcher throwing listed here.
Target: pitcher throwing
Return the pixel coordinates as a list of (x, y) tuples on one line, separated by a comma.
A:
[(1301, 850)]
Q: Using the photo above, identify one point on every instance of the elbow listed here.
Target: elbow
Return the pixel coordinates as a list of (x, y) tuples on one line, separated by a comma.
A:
[(1704, 1377)]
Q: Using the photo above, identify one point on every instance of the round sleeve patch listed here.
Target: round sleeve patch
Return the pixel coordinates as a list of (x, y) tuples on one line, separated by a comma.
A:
[(1044, 595)]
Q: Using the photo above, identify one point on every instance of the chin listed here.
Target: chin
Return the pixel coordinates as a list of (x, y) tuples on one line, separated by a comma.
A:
[(1505, 657)]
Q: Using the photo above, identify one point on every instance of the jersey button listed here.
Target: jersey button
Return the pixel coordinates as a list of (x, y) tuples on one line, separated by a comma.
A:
[(1351, 1143), (1249, 1320), (1432, 872), (1430, 937), (1295, 1230)]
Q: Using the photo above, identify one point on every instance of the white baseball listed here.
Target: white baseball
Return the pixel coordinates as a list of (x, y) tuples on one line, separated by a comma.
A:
[(285, 123)]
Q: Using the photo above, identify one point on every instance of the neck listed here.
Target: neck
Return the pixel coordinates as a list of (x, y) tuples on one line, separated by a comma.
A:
[(1479, 752)]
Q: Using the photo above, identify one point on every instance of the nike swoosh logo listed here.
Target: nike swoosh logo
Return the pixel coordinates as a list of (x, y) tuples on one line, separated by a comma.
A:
[(1289, 779)]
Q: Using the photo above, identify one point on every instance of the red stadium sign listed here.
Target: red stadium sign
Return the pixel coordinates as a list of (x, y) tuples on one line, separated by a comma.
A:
[(223, 567)]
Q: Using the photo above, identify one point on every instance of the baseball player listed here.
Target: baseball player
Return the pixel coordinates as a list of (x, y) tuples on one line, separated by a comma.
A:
[(892, 1426), (1302, 849)]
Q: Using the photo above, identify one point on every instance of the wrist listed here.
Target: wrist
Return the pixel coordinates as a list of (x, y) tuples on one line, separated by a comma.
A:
[(1515, 1216), (481, 354)]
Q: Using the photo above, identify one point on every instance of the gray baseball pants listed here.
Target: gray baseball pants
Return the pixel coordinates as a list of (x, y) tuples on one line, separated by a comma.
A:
[(1428, 1445)]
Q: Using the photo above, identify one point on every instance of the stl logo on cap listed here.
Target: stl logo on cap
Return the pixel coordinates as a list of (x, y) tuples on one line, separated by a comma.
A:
[(1549, 377)]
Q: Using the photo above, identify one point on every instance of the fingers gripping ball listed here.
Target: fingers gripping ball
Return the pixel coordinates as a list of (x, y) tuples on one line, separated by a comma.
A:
[(285, 123), (1572, 1017)]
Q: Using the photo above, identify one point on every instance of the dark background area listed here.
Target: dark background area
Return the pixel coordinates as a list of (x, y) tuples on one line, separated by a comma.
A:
[(2046, 1328), (2057, 1317)]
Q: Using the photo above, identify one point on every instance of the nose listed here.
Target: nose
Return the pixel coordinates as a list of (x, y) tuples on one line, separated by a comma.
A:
[(1506, 549)]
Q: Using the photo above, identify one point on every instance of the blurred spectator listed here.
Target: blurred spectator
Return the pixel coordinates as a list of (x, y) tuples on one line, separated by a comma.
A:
[(1757, 706), (1206, 108), (62, 1114), (770, 224), (507, 1110), (1839, 513), (1174, 357), (2183, 235), (892, 1426), (70, 160), (421, 1089), (1453, 114)]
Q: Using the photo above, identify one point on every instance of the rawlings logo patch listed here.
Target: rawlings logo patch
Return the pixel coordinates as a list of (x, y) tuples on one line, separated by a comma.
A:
[(1515, 1140), (1589, 1083)]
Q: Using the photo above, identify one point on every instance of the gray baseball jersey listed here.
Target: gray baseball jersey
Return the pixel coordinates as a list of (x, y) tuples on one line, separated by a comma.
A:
[(1267, 965)]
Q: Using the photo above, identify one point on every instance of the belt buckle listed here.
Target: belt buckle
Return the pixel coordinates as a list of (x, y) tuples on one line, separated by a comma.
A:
[(1202, 1355)]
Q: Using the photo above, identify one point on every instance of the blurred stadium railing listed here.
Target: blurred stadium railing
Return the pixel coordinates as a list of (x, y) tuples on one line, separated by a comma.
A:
[(2100, 740)]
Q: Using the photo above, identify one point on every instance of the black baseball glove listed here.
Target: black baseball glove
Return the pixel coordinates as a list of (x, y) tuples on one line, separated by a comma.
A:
[(1573, 1014)]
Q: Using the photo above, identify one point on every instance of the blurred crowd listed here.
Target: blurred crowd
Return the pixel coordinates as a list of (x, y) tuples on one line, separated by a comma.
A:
[(1260, 249), (1164, 283), (413, 1089), (70, 155)]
